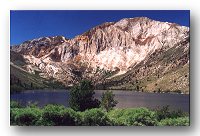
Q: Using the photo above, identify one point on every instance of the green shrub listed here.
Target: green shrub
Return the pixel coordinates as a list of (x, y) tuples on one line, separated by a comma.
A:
[(116, 117), (95, 117), (13, 113), (141, 117), (178, 113), (15, 104), (55, 115), (133, 117), (25, 116), (164, 113), (32, 104), (181, 121)]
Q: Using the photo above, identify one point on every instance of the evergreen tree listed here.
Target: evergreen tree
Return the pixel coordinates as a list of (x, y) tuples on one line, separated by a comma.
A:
[(82, 96), (108, 101)]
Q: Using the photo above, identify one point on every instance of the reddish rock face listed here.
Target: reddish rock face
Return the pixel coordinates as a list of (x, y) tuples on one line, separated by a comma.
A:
[(118, 45)]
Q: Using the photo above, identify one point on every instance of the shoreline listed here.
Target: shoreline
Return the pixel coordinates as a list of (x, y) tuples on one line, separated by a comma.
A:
[(117, 90)]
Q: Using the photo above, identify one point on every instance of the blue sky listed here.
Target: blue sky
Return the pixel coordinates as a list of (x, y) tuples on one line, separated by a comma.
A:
[(30, 24)]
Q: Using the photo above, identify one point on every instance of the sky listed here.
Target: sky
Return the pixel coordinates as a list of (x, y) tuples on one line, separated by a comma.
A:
[(31, 24)]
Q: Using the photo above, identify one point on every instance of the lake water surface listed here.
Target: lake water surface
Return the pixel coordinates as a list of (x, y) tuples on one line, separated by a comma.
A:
[(126, 99)]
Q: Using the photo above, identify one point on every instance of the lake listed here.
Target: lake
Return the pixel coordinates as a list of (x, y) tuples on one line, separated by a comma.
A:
[(126, 99)]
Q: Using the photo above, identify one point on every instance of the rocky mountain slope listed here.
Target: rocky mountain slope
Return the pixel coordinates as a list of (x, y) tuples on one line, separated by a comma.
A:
[(133, 53)]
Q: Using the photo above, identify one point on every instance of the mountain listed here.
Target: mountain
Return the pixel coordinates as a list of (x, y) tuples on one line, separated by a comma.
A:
[(133, 53)]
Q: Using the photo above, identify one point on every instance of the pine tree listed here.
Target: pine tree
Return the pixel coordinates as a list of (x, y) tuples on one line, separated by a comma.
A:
[(107, 100)]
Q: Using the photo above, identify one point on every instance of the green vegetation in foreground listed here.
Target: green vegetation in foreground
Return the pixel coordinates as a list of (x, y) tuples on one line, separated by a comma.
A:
[(58, 115)]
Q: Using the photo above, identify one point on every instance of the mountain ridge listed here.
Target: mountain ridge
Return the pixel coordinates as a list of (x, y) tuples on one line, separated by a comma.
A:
[(106, 51)]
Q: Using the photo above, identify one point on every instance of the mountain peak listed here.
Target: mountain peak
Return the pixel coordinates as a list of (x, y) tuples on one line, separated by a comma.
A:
[(140, 46)]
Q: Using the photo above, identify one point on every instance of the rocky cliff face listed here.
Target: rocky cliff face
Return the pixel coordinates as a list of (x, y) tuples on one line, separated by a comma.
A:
[(111, 50)]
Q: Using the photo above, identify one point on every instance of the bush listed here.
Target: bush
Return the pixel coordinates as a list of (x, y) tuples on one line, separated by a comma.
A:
[(95, 117), (32, 104), (15, 104), (55, 115), (133, 117), (13, 113), (181, 121), (116, 117), (141, 117), (164, 113), (82, 97), (25, 116)]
